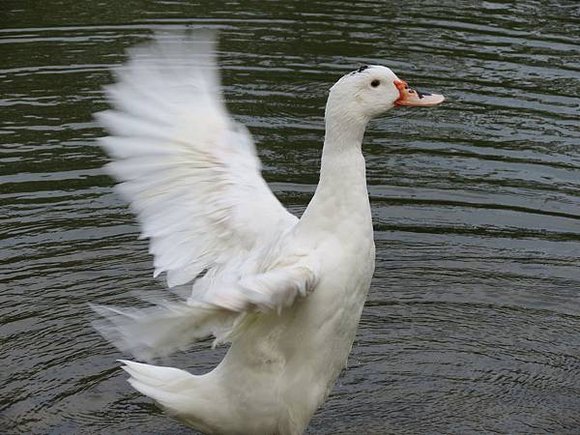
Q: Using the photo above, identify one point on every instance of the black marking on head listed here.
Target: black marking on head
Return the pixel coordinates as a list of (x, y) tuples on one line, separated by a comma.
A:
[(362, 68)]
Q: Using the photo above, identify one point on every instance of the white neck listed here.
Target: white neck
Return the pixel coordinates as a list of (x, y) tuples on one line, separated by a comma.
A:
[(342, 188)]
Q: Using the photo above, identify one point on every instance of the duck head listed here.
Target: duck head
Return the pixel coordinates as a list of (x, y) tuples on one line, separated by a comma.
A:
[(372, 90)]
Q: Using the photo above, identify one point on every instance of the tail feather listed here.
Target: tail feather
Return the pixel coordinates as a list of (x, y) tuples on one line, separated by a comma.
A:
[(172, 388), (154, 376), (187, 397), (162, 329)]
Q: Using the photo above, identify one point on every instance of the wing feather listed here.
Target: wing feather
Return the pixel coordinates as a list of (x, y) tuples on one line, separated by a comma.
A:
[(189, 171)]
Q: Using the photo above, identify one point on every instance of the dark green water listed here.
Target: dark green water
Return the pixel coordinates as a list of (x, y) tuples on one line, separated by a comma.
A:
[(473, 318)]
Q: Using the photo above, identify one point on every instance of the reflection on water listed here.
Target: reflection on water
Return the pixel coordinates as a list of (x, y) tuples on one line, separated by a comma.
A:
[(473, 320)]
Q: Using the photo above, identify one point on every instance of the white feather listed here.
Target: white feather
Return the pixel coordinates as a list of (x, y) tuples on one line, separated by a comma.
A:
[(189, 171)]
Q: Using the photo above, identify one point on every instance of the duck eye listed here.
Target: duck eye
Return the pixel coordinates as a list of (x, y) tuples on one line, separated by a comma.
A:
[(375, 83)]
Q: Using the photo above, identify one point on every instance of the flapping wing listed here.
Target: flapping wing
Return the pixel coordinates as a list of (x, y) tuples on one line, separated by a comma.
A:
[(190, 173), (168, 326)]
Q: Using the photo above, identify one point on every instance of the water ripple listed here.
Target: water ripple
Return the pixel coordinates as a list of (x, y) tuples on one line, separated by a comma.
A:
[(473, 314)]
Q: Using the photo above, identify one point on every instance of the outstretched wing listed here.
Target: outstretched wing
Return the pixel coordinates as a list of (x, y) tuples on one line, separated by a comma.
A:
[(190, 172)]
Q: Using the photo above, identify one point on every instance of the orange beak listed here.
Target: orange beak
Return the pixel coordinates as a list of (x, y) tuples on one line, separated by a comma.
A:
[(411, 97)]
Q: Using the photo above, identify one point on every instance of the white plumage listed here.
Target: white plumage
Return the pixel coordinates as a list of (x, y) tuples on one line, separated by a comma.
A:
[(286, 293)]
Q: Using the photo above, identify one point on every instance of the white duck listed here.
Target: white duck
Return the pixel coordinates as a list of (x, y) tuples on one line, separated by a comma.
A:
[(287, 293)]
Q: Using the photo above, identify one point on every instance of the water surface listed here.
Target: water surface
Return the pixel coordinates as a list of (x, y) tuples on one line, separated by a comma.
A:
[(473, 318)]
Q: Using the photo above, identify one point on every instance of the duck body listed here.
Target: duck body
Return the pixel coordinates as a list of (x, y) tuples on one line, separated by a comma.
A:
[(302, 350), (281, 368), (286, 293)]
